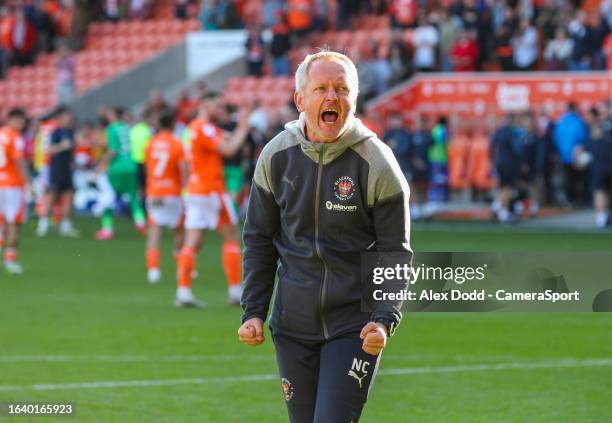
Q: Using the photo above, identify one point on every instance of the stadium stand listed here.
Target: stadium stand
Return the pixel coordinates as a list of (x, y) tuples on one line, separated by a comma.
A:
[(273, 93), (114, 47), (109, 49)]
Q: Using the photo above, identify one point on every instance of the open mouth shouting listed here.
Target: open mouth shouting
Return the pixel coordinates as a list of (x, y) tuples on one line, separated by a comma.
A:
[(330, 116)]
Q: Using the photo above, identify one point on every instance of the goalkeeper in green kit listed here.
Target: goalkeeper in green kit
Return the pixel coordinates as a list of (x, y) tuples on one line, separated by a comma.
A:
[(122, 173)]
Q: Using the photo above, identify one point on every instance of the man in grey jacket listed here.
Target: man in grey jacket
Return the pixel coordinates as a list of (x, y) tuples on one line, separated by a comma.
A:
[(325, 191)]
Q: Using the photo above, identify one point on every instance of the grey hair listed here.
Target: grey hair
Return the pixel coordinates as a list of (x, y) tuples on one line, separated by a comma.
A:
[(301, 74)]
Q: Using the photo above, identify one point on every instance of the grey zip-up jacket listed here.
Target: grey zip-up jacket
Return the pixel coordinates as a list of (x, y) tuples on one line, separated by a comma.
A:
[(317, 207)]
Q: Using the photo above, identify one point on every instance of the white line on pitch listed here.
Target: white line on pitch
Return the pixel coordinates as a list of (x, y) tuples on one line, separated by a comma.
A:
[(128, 358), (226, 357), (595, 362)]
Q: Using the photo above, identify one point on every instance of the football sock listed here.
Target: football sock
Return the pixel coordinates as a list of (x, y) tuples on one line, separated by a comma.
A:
[(152, 256), (65, 224), (232, 263), (56, 212), (10, 255), (107, 220), (138, 213), (601, 219), (186, 264), (503, 215)]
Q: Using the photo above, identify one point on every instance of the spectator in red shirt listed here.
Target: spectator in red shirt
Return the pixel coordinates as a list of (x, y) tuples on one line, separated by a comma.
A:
[(465, 51), (20, 38)]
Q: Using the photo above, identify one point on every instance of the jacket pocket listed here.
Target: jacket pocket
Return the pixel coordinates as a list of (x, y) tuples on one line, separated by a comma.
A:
[(299, 306)]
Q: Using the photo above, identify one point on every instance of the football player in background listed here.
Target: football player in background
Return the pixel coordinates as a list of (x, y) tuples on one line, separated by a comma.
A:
[(166, 175), (122, 173), (61, 189), (208, 206), (14, 183), (42, 161)]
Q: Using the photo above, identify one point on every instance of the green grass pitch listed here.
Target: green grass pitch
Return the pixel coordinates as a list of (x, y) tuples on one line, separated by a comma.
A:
[(84, 314)]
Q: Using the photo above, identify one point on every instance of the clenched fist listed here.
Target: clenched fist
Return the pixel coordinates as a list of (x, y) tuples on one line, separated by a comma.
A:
[(374, 337), (251, 332)]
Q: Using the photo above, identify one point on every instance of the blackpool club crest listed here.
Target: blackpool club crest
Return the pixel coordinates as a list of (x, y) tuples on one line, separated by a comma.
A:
[(287, 388), (344, 188)]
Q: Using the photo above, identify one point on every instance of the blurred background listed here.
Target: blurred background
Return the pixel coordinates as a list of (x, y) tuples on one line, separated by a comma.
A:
[(459, 89)]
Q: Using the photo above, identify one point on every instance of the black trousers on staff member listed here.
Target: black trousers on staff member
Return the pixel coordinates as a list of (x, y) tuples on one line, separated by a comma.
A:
[(325, 382)]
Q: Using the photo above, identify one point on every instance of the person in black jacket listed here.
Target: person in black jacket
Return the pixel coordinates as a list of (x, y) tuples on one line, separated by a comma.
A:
[(325, 191), (255, 53), (506, 157), (601, 172), (61, 189)]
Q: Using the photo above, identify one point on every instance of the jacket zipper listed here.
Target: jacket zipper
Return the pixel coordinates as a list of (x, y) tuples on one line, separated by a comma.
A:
[(318, 247)]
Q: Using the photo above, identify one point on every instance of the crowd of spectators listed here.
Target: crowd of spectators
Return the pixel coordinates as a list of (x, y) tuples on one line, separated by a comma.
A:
[(535, 159), (31, 27), (447, 35)]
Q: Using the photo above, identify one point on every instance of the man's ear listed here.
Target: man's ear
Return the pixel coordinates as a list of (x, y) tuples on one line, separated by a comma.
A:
[(299, 103)]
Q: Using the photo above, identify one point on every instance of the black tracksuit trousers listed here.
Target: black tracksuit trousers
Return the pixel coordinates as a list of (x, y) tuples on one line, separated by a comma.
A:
[(325, 382)]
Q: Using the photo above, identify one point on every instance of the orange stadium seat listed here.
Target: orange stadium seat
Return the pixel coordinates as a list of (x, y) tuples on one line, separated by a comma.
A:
[(249, 83), (273, 93), (45, 60), (137, 28), (122, 28), (267, 83), (287, 83), (234, 84)]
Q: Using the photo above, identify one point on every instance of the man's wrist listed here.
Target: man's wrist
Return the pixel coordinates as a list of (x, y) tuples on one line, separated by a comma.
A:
[(388, 324), (249, 316)]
